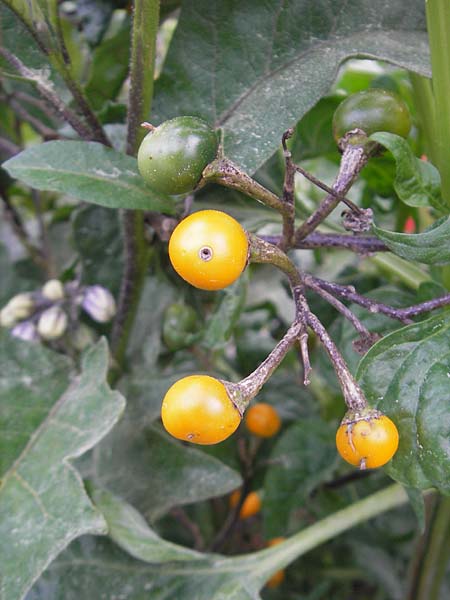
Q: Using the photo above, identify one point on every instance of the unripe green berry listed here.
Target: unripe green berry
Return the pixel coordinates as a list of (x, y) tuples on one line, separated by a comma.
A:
[(371, 111), (172, 157)]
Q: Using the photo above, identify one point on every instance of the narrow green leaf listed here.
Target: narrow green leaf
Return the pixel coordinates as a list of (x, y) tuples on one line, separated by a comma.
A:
[(88, 171), (130, 531), (430, 247), (417, 182), (407, 375), (43, 504)]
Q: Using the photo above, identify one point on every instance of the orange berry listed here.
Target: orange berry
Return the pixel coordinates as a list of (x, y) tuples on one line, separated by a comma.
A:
[(367, 442), (209, 249), (262, 420), (198, 409), (251, 505)]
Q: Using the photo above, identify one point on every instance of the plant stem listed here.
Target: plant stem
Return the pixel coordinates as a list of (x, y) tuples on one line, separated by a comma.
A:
[(226, 173), (438, 24), (145, 28), (242, 392), (264, 252), (266, 562), (288, 194), (363, 245), (424, 102), (354, 158), (46, 91), (436, 555)]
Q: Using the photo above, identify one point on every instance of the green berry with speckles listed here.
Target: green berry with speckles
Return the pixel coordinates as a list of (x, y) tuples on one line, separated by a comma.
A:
[(171, 158)]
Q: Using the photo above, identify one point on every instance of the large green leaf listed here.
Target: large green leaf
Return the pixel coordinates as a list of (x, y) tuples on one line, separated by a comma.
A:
[(430, 247), (255, 68), (87, 171), (46, 421), (154, 471), (406, 375), (90, 564), (417, 182)]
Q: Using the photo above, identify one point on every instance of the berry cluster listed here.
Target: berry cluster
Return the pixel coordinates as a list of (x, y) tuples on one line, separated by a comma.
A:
[(210, 250)]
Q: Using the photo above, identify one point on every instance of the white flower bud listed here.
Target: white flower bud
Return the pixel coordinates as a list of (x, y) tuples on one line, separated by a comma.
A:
[(21, 306), (99, 303), (52, 323), (53, 290), (7, 317), (25, 331)]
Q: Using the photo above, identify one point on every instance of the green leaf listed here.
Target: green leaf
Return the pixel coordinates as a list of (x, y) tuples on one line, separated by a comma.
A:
[(92, 564), (88, 171), (98, 239), (109, 68), (255, 68), (303, 457), (47, 420), (154, 471), (417, 182), (430, 247), (407, 376), (130, 531), (220, 325)]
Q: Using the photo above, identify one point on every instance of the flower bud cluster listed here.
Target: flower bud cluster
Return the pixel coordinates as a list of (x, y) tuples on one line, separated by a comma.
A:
[(47, 314)]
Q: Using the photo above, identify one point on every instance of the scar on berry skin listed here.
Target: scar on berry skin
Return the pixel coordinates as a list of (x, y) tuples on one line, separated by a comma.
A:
[(350, 437), (205, 253)]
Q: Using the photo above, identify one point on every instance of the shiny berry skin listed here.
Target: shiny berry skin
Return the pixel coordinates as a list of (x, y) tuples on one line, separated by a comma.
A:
[(198, 409), (367, 442), (209, 249), (372, 110), (251, 505), (262, 420), (171, 158)]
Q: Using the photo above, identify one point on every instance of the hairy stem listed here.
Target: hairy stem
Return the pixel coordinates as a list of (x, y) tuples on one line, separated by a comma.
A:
[(288, 194), (354, 158), (46, 91), (353, 395), (226, 173), (363, 245), (247, 388), (401, 314), (145, 28)]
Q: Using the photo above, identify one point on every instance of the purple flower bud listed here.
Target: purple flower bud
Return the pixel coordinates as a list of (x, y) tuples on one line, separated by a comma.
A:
[(25, 331), (99, 303)]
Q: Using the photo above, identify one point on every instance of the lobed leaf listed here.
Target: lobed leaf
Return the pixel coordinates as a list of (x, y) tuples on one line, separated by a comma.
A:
[(88, 171), (46, 421)]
